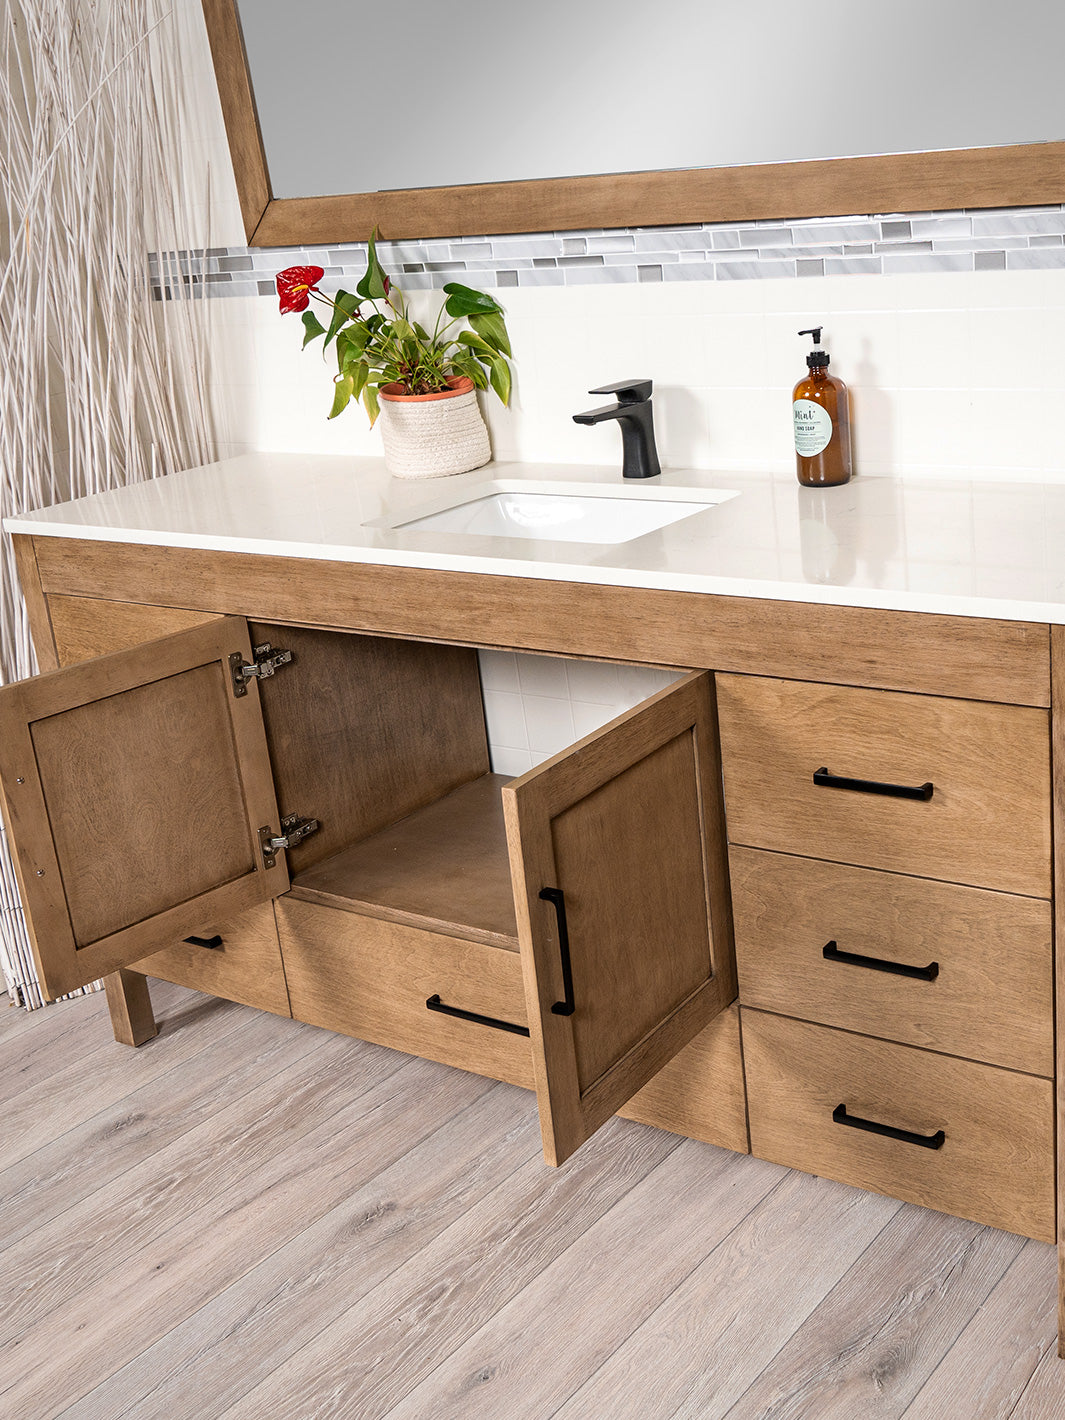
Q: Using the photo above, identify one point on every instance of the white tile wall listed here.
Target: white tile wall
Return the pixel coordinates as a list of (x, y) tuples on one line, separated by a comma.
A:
[(537, 705)]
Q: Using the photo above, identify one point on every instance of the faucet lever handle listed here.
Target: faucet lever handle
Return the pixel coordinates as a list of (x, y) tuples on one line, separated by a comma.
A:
[(627, 391)]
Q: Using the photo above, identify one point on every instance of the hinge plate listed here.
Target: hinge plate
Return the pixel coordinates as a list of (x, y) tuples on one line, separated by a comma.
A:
[(293, 830), (267, 662)]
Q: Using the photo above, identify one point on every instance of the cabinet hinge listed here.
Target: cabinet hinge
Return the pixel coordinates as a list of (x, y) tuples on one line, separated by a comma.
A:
[(293, 830), (267, 662)]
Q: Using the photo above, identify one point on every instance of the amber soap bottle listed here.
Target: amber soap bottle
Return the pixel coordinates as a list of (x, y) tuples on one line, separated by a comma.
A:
[(822, 423)]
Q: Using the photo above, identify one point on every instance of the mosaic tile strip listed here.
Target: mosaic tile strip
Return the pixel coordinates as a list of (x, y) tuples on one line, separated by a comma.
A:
[(1011, 239)]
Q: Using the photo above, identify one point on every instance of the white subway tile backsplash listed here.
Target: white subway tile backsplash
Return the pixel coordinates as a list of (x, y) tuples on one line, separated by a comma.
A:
[(543, 675), (550, 723), (504, 714)]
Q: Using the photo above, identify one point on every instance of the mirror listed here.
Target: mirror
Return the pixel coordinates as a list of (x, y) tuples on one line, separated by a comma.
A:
[(608, 114)]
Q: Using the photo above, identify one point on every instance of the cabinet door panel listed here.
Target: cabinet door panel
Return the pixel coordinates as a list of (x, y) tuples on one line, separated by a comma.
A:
[(627, 827), (134, 787)]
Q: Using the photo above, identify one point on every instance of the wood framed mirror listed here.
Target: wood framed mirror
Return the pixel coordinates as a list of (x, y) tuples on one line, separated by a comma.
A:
[(974, 92)]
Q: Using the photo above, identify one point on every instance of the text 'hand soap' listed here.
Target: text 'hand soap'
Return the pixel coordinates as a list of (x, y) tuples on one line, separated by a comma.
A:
[(822, 423)]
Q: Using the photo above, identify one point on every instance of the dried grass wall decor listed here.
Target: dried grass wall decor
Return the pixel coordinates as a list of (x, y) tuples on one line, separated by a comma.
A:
[(100, 385)]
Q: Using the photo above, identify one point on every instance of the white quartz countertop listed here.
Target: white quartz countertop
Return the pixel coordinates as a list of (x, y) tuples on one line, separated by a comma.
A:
[(967, 548)]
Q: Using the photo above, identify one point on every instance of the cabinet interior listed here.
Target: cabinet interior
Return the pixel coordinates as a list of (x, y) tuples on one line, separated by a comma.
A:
[(384, 742)]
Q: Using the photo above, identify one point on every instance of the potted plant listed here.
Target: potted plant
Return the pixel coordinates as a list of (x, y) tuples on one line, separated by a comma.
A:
[(424, 385)]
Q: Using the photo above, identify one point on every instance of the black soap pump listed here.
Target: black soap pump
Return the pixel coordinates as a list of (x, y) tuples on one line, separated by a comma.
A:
[(822, 423)]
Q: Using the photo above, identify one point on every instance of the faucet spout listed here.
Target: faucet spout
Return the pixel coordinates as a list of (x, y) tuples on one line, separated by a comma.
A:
[(639, 457)]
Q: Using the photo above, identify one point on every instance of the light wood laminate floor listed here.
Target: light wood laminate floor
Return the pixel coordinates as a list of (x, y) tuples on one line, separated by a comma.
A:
[(253, 1218)]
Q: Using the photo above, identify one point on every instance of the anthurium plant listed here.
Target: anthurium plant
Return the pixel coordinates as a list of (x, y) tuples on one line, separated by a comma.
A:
[(377, 342)]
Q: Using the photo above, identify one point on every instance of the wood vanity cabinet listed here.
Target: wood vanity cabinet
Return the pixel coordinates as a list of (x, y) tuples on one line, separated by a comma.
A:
[(580, 910), (894, 950), (891, 879)]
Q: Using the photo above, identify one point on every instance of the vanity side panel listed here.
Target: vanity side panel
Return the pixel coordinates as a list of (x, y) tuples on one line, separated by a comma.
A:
[(1057, 759), (967, 657), (37, 611)]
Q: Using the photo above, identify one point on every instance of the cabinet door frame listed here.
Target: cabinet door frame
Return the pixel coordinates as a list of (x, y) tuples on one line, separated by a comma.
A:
[(569, 1114), (62, 964)]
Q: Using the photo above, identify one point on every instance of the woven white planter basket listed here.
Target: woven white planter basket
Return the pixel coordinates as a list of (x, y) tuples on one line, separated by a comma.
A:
[(430, 436)]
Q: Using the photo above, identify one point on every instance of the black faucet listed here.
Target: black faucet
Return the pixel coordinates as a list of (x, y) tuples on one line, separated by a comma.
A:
[(639, 458)]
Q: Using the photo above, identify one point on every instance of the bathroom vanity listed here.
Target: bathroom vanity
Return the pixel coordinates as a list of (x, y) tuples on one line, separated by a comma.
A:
[(801, 902)]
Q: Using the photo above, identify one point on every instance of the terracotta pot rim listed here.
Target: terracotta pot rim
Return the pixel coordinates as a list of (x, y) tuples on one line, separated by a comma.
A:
[(457, 384)]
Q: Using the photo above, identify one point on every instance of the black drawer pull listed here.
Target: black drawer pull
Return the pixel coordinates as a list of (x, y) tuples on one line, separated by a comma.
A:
[(897, 968), (558, 900), (209, 942), (434, 1003), (873, 786), (923, 1141)]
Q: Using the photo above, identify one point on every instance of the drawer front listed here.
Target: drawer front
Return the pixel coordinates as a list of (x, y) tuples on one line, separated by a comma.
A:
[(996, 1163), (987, 822), (246, 967), (700, 1093), (369, 978), (990, 958)]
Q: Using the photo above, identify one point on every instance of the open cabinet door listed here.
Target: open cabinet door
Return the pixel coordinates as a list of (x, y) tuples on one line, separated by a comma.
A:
[(134, 787), (618, 859)]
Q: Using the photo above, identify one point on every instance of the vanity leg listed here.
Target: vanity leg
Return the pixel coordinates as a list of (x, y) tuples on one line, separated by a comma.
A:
[(132, 1017)]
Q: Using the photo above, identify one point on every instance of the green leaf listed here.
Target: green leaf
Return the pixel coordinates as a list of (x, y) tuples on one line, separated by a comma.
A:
[(369, 400), (501, 378), (462, 301), (344, 386), (421, 332), (372, 286), (313, 327), (346, 306), (360, 373), (477, 343), (492, 326)]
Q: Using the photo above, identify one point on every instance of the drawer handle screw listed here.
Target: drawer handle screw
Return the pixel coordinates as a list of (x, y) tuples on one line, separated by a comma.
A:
[(855, 1121), (873, 786), (831, 952)]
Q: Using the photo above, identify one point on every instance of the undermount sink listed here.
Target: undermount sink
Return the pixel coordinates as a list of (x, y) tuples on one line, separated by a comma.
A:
[(591, 514)]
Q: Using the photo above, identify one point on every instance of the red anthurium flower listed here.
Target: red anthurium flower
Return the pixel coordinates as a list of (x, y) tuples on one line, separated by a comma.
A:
[(294, 283)]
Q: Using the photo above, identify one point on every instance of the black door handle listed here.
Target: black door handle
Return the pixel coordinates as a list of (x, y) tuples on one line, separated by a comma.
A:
[(831, 952), (434, 1003), (209, 942), (873, 786), (855, 1121), (557, 898)]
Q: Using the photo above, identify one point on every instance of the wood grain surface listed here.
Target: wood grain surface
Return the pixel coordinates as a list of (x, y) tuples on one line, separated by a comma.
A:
[(129, 1004), (650, 931), (102, 822), (245, 966), (371, 978), (443, 867), (37, 606), (986, 824), (85, 627), (941, 655), (253, 1215), (996, 1165), (700, 1093), (363, 730), (992, 999)]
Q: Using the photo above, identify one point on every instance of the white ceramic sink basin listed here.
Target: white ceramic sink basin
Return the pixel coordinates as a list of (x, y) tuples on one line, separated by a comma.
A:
[(590, 515)]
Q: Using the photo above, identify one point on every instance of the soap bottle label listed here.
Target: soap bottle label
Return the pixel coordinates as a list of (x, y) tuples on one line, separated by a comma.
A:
[(813, 428)]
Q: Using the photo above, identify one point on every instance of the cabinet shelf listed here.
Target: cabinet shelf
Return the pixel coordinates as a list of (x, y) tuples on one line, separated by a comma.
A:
[(444, 867)]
